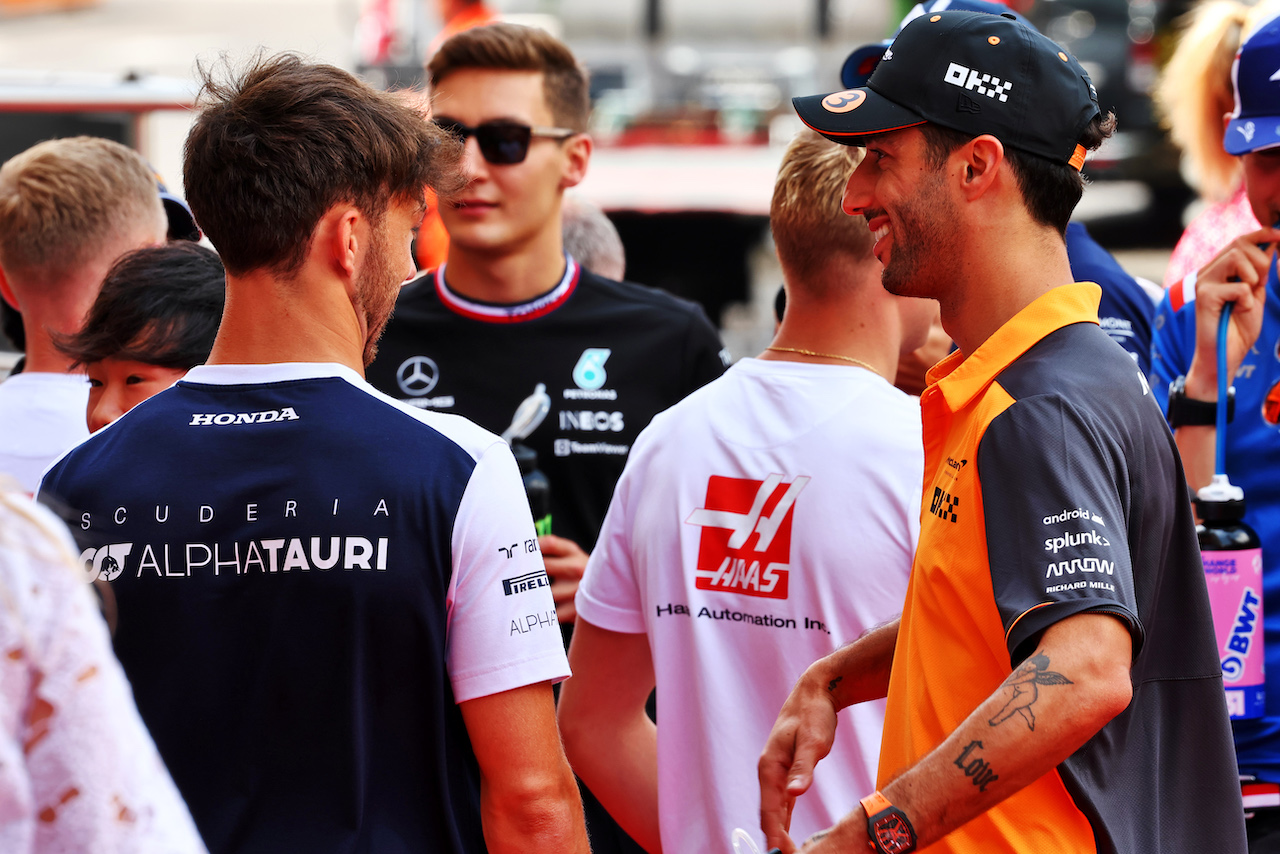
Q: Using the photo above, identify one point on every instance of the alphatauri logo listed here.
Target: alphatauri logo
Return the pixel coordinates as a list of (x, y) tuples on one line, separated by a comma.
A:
[(105, 563), (222, 419)]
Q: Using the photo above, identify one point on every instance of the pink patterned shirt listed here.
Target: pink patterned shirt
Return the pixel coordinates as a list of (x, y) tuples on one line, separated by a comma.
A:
[(1214, 228)]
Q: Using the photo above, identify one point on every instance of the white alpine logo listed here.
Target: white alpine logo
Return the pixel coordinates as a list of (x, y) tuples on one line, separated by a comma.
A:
[(976, 81), (1275, 76), (1247, 129)]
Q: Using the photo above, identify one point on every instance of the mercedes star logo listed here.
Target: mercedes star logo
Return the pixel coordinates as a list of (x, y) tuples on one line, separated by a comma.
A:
[(417, 375)]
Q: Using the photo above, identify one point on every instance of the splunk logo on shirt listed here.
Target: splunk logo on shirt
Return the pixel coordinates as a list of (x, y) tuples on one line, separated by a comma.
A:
[(222, 419), (745, 546)]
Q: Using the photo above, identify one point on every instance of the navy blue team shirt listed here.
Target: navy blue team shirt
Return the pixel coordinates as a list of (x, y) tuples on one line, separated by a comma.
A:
[(310, 577)]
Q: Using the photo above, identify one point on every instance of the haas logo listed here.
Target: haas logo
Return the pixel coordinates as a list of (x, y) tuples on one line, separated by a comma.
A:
[(746, 535)]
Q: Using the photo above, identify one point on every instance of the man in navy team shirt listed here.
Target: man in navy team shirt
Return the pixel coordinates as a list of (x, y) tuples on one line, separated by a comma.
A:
[(332, 607)]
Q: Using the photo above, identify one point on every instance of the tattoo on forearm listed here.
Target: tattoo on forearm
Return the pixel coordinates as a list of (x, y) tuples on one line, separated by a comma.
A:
[(1024, 684), (977, 769), (831, 686)]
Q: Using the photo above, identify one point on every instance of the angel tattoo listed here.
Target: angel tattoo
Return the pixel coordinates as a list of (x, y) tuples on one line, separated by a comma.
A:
[(1024, 682)]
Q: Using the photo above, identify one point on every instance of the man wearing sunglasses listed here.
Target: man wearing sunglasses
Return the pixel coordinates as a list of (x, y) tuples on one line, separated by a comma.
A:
[(509, 309)]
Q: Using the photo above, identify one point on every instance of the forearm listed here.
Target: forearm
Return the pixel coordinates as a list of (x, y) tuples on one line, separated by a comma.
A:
[(610, 741), (618, 761), (1196, 446), (542, 817), (528, 798), (859, 671), (996, 753), (1046, 710)]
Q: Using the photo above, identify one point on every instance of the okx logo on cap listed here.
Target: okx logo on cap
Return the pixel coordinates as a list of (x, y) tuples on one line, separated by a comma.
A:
[(972, 72), (1255, 124)]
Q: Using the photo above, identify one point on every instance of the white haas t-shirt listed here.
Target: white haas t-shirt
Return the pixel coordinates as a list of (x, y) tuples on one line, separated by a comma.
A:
[(763, 522)]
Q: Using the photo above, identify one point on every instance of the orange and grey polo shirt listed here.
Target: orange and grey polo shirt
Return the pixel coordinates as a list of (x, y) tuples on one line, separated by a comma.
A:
[(1053, 487)]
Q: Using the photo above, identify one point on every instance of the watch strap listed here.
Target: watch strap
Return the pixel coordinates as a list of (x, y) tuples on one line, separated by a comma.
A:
[(875, 803), (1189, 412)]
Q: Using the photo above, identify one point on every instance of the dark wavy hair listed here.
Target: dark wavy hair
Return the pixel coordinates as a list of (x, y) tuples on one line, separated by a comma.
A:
[(1051, 190), (279, 143), (160, 305)]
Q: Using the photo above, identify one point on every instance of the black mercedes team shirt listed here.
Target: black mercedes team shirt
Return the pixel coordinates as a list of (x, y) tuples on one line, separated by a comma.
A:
[(611, 355)]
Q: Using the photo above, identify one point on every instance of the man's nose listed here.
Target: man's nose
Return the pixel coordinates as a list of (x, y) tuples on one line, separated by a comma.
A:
[(856, 197)]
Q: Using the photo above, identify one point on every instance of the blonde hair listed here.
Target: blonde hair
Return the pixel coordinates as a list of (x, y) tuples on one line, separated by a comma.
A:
[(1195, 89), (61, 200), (808, 223)]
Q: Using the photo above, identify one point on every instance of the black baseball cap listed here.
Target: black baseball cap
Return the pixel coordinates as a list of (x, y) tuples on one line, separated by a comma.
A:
[(859, 64), (972, 72)]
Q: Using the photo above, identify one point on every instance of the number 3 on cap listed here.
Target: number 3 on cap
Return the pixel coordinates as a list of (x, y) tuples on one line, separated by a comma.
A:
[(843, 102)]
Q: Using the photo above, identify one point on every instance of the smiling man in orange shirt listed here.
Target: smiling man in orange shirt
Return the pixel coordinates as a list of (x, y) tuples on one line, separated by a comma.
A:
[(1053, 682)]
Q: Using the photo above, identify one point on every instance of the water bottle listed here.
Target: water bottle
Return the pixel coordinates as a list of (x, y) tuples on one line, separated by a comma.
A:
[(1232, 555), (536, 486)]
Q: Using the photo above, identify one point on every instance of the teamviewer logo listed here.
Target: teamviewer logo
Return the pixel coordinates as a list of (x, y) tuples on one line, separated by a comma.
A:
[(746, 535)]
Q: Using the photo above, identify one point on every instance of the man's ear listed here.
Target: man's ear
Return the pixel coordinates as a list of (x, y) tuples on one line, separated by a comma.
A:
[(6, 291), (341, 235), (577, 156), (981, 160)]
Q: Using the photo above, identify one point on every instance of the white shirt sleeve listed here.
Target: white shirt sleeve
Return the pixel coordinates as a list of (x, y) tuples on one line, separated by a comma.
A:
[(502, 630), (609, 596)]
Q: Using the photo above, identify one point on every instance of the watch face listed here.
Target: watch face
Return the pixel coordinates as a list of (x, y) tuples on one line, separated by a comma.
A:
[(893, 835)]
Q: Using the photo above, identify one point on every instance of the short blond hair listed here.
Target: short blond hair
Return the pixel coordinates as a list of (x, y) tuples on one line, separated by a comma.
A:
[(62, 199), (1195, 88), (808, 223)]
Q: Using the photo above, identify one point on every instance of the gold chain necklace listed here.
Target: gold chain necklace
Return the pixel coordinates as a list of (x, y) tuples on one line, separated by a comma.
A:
[(848, 359)]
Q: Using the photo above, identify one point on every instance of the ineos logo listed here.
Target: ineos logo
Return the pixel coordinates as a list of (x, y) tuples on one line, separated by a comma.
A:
[(417, 375)]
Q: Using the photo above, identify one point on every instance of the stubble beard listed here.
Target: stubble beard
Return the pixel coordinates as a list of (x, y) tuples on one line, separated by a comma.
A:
[(376, 290), (925, 250)]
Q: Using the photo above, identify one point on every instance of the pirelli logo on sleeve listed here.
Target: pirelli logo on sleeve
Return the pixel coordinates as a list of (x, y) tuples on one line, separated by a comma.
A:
[(524, 583)]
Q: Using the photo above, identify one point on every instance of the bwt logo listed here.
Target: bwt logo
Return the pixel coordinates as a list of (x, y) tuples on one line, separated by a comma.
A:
[(745, 545), (105, 563), (976, 81)]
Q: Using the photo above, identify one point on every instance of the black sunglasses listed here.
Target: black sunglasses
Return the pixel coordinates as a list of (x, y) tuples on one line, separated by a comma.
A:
[(502, 143)]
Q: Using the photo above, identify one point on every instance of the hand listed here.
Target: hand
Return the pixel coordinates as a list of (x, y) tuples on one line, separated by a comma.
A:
[(802, 735), (1243, 261), (565, 562)]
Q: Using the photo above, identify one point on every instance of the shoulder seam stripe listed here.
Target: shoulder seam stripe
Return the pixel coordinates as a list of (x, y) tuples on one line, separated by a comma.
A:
[(1018, 618)]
